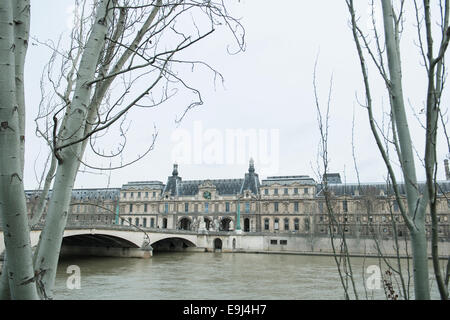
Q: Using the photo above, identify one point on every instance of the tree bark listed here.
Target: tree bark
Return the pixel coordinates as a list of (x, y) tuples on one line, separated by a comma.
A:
[(51, 237), (416, 210), (13, 208)]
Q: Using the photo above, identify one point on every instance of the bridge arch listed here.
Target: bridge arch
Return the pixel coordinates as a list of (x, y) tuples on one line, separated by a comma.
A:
[(117, 238), (172, 243), (98, 240)]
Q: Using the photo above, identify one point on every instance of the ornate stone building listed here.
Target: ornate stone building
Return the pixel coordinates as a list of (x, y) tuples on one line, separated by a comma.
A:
[(287, 205)]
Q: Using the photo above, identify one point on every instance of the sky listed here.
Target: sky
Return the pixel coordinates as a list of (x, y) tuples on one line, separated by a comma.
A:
[(267, 96)]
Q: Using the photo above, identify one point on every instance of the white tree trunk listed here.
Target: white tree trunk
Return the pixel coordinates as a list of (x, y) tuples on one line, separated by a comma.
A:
[(12, 198), (50, 243), (415, 211)]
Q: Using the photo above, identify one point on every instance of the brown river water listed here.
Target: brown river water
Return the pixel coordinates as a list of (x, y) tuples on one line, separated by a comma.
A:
[(221, 276)]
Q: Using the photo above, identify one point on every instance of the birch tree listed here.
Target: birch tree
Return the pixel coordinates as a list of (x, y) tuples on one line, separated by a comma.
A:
[(115, 44), (383, 50)]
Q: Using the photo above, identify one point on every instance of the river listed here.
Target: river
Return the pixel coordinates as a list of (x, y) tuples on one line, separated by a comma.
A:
[(221, 276)]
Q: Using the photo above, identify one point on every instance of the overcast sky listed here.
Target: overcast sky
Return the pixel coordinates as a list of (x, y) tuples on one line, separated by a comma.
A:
[(268, 91)]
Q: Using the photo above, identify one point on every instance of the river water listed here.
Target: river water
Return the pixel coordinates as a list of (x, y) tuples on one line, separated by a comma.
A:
[(221, 276)]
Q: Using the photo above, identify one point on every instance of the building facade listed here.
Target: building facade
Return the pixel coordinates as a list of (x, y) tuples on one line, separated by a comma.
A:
[(278, 204)]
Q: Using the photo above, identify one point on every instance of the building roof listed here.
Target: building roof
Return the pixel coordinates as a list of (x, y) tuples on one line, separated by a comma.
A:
[(376, 189), (141, 185), (83, 194), (288, 180)]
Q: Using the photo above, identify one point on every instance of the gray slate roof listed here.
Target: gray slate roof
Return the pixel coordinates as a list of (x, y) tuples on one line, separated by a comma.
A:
[(377, 189), (288, 180), (83, 194)]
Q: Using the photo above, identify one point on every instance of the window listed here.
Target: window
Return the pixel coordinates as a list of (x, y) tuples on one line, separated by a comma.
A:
[(136, 221), (305, 190), (266, 224), (275, 206), (186, 207), (166, 207), (276, 224), (286, 224), (146, 194), (122, 221), (345, 206), (273, 241), (145, 207), (395, 206), (283, 242), (152, 222), (247, 207), (306, 222), (144, 223), (296, 206), (131, 208), (139, 194), (285, 190), (124, 194), (295, 190), (296, 224), (227, 206), (206, 207), (266, 192), (131, 195), (275, 192), (129, 221)]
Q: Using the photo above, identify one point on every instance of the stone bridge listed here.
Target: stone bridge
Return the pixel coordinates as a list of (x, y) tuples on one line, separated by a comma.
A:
[(128, 241)]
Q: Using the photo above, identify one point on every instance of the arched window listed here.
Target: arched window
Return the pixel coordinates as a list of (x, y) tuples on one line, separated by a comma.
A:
[(296, 224), (276, 224), (246, 225), (136, 222), (286, 224), (164, 223)]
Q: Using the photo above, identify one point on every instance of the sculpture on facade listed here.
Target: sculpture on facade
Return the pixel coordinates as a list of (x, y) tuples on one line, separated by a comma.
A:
[(201, 224), (215, 225)]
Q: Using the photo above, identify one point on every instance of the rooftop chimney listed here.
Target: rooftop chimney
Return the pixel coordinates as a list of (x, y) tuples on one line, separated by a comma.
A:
[(175, 170), (251, 166)]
